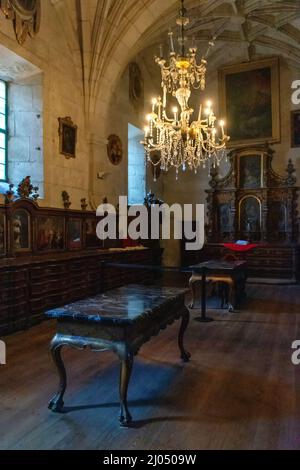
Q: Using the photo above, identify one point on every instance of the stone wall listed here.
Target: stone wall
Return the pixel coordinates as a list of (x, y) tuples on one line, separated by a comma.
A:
[(55, 52)]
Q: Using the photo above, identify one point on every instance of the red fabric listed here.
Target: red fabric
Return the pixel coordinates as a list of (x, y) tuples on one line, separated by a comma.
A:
[(128, 242), (235, 247)]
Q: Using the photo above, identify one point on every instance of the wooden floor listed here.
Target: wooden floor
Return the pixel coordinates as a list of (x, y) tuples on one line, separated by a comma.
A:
[(240, 391)]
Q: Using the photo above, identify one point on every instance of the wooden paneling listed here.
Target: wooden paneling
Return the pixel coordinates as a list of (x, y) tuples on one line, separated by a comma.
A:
[(29, 286)]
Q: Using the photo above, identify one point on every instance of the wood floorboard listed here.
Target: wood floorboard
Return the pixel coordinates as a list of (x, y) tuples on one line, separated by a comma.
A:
[(240, 391)]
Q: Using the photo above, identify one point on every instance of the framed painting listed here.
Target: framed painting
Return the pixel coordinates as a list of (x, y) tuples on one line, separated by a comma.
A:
[(114, 149), (67, 137), (50, 234), (250, 217), (2, 235), (136, 85), (249, 101), (74, 234), (91, 239), (21, 234), (295, 128), (250, 171)]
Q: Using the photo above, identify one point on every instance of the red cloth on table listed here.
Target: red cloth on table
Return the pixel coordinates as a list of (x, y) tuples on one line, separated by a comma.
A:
[(235, 247), (128, 242)]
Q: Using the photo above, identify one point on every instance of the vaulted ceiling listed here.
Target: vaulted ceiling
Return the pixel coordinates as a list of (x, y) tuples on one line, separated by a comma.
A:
[(111, 32)]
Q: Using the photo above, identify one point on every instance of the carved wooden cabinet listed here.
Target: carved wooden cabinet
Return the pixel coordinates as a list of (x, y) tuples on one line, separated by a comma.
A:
[(253, 203)]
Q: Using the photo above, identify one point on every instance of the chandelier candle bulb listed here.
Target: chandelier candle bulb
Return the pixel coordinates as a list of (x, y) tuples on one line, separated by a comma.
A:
[(172, 50), (175, 111), (200, 113), (222, 127), (154, 103), (161, 53)]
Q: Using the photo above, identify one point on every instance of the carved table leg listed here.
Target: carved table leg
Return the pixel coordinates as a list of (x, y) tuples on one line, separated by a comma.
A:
[(126, 367), (231, 297), (192, 283), (185, 356), (57, 403)]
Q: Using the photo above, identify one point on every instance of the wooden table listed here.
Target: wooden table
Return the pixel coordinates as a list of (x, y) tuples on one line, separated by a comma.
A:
[(231, 273), (120, 320)]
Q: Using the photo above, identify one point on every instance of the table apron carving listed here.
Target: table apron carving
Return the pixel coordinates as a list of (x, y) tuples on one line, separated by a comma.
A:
[(124, 340)]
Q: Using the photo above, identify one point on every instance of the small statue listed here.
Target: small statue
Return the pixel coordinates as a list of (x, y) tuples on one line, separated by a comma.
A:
[(83, 204), (66, 199), (26, 190), (10, 195)]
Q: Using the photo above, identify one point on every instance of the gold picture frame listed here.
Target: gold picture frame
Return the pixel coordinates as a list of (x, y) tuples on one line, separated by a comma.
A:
[(67, 137), (249, 101)]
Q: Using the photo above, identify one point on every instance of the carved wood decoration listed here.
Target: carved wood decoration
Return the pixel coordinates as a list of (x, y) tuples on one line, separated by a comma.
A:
[(25, 14), (253, 202)]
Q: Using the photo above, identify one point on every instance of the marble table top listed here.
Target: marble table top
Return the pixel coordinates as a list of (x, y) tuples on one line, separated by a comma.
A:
[(123, 305), (222, 265)]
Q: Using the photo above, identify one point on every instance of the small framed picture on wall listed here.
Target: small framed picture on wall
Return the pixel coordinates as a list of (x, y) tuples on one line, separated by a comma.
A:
[(295, 128), (67, 137)]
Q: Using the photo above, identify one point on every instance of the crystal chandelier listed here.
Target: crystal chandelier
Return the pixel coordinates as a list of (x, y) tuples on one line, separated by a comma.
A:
[(178, 141)]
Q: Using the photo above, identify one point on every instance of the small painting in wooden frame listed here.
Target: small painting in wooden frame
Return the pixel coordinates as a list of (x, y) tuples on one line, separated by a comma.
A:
[(136, 86), (67, 137), (50, 234), (114, 149), (295, 128), (21, 233), (249, 101), (75, 234), (250, 171), (91, 239)]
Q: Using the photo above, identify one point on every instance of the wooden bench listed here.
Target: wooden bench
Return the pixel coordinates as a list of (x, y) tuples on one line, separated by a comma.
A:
[(120, 320)]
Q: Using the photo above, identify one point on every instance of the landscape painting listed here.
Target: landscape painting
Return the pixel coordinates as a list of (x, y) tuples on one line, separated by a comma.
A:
[(249, 98)]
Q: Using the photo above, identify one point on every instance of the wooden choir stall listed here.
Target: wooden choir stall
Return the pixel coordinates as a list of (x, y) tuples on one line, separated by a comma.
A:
[(51, 257)]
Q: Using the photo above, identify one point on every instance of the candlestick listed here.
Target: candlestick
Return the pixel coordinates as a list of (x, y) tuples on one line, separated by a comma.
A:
[(200, 112), (161, 52), (222, 127), (165, 98), (175, 111), (154, 103), (171, 42)]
